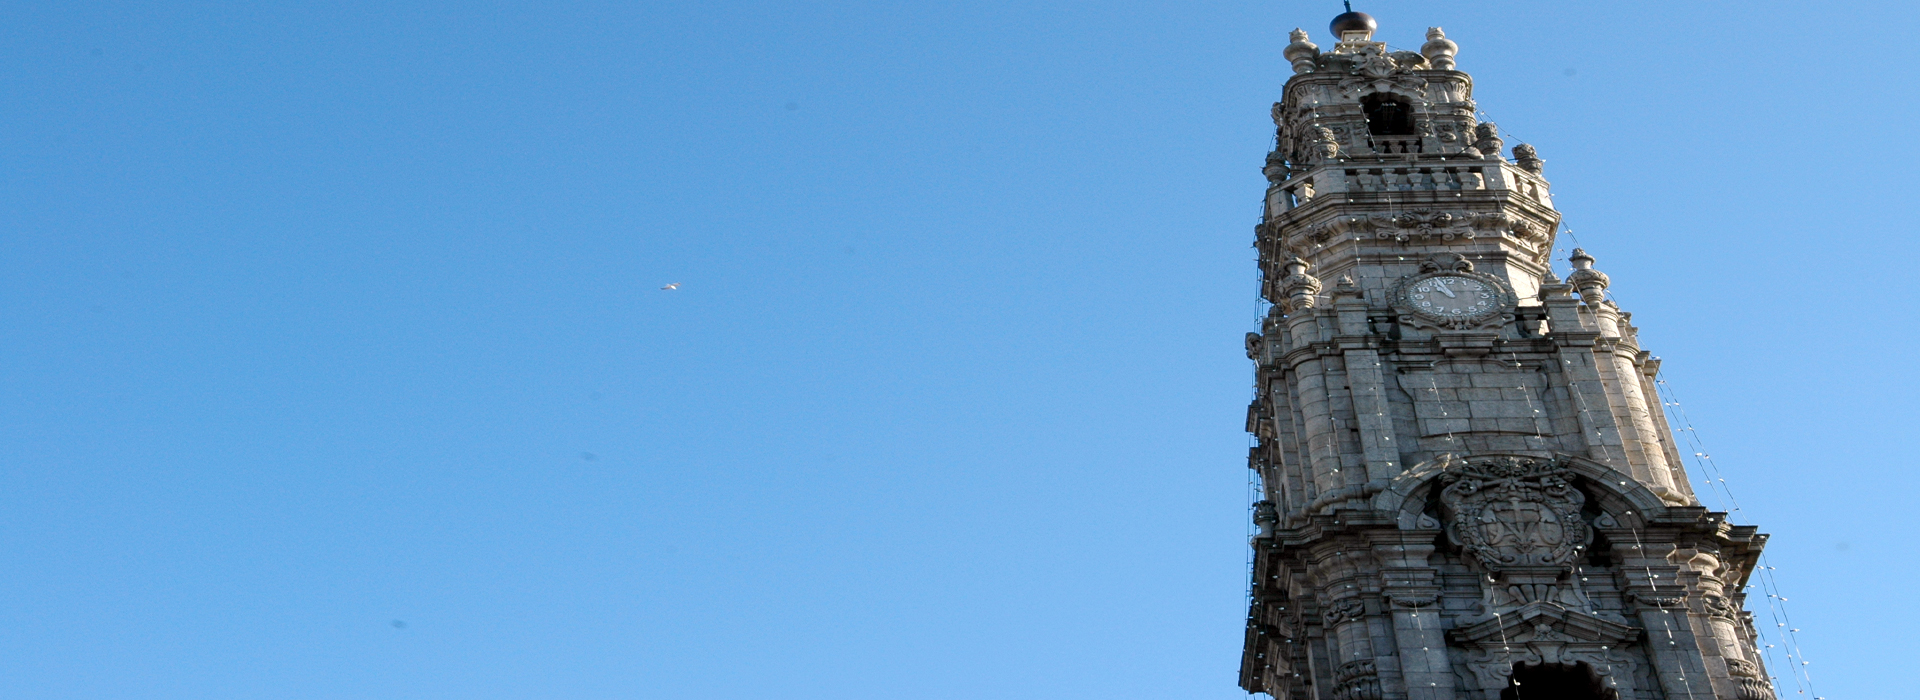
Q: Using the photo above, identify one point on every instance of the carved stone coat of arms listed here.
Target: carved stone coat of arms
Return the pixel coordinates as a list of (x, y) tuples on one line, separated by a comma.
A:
[(1514, 512)]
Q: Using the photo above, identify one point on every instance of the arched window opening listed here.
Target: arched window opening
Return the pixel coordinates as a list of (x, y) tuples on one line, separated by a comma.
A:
[(1387, 115), (1575, 681)]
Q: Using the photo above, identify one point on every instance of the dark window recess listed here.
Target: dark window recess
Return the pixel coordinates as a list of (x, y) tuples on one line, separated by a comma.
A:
[(1575, 681), (1387, 116)]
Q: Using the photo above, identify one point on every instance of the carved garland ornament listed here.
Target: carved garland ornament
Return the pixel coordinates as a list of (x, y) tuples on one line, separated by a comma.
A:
[(1514, 512), (1344, 610)]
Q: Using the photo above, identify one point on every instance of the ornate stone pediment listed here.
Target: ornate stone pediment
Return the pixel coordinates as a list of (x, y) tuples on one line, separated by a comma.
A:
[(1546, 634), (1513, 512), (1376, 70), (1544, 624)]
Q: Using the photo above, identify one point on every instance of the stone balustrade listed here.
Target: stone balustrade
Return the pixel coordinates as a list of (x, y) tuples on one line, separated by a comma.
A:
[(1384, 145), (1415, 178), (1357, 178)]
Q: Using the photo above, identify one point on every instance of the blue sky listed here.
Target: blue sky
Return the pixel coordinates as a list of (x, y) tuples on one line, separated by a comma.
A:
[(336, 363)]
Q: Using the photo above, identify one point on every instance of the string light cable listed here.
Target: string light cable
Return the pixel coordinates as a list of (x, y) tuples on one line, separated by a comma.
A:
[(1782, 637)]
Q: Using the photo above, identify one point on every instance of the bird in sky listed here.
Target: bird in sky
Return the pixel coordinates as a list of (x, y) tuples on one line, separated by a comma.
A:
[(671, 287)]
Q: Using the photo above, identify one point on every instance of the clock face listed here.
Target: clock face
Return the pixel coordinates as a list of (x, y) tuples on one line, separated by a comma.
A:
[(1449, 296)]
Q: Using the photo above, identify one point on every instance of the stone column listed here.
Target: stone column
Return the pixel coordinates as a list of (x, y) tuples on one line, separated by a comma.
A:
[(1342, 572), (1319, 445), (1412, 591), (1309, 326), (1576, 337), (1659, 604), (1379, 456), (1649, 388), (1642, 444), (1294, 470)]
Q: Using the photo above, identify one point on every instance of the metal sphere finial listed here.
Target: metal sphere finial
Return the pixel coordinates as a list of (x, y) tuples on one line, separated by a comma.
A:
[(1351, 21)]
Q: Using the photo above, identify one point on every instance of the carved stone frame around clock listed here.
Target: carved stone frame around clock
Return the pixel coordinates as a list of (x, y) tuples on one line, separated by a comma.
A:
[(1498, 315)]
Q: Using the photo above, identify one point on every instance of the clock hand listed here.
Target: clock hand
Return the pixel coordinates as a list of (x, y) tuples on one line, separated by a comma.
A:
[(1442, 286)]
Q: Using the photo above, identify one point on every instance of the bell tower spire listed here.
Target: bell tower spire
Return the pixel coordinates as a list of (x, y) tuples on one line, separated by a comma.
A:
[(1468, 481)]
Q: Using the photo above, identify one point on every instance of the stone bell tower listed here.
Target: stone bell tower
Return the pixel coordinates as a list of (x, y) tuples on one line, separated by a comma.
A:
[(1470, 488)]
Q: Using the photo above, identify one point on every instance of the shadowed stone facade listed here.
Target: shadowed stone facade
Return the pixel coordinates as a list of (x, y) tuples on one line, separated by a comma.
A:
[(1468, 479)]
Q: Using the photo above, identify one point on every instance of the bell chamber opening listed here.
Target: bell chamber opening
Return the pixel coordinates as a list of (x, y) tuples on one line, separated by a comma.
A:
[(1575, 681), (1388, 115)]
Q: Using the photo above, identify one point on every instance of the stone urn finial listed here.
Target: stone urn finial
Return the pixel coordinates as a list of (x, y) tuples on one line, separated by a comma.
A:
[(1588, 282), (1486, 139), (1438, 49), (1266, 516), (1528, 159), (1301, 53), (1276, 168), (1299, 287)]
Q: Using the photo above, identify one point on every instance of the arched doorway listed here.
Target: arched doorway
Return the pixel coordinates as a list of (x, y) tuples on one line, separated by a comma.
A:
[(1575, 681)]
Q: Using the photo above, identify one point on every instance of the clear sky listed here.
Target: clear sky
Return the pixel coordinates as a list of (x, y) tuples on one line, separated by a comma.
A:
[(336, 362)]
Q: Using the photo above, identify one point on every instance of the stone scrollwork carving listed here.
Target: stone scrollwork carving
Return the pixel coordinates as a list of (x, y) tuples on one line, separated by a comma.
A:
[(1357, 680), (1544, 632), (1413, 601), (1321, 233), (1446, 262), (1422, 226), (1344, 610), (1375, 70), (1655, 600), (1409, 61), (1743, 667), (1719, 606), (1376, 64), (1322, 146), (1754, 689), (1749, 680), (1425, 224), (1514, 512)]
